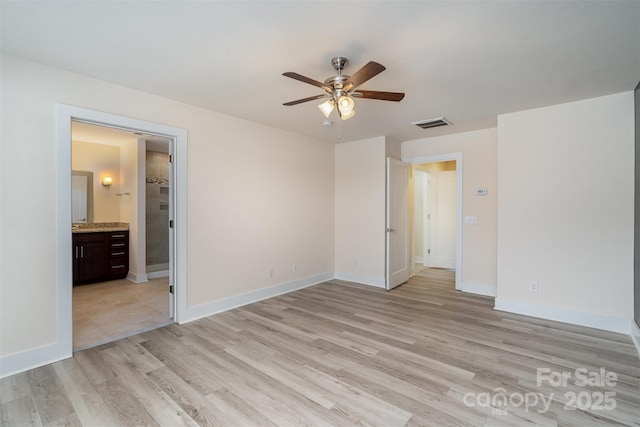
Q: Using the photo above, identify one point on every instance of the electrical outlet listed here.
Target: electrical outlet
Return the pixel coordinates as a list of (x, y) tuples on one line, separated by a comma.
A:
[(270, 273), (355, 262), (295, 268), (533, 287)]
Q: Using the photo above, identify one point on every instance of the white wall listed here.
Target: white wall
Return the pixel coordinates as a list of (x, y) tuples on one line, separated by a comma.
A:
[(103, 161), (566, 214), (258, 197), (479, 159), (360, 173), (129, 202)]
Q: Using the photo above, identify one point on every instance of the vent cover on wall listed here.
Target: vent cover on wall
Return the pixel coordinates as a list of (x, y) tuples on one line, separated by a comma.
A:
[(432, 123)]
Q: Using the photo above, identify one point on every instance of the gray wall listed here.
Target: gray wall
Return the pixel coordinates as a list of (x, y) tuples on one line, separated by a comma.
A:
[(157, 215)]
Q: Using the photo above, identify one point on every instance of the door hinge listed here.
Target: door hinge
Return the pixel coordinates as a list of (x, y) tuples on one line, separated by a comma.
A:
[(170, 223), (428, 251), (170, 158), (170, 289)]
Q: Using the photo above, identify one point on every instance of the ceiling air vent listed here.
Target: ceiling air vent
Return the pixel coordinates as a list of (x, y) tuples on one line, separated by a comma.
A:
[(432, 123)]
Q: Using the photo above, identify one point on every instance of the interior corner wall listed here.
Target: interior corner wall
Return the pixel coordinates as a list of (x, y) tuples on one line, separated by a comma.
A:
[(479, 161), (360, 182), (257, 197), (565, 206)]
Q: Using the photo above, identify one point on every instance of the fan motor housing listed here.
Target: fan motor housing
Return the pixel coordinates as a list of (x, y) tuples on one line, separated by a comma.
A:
[(336, 82)]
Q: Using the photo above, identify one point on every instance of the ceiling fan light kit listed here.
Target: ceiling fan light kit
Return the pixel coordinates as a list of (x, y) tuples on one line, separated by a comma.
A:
[(326, 107), (341, 89)]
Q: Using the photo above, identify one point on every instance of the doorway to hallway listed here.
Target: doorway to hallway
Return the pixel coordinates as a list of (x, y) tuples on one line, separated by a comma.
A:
[(434, 215), (420, 246)]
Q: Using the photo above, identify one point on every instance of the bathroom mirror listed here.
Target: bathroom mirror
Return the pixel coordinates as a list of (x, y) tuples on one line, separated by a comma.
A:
[(81, 196)]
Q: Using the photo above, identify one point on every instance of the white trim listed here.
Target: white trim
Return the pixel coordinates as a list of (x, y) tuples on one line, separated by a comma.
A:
[(459, 229), (635, 335), (158, 274), (378, 282), (566, 315), (214, 307), (479, 289), (64, 258), (15, 363), (64, 115), (137, 278), (417, 260)]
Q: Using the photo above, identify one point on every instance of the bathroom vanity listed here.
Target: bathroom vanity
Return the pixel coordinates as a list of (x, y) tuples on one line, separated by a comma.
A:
[(100, 252)]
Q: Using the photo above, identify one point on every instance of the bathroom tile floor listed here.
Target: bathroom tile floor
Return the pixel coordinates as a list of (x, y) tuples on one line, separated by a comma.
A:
[(104, 312)]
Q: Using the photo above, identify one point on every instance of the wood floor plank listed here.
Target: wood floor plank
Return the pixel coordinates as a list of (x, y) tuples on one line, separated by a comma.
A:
[(19, 412), (192, 403), (87, 403), (339, 354), (52, 402)]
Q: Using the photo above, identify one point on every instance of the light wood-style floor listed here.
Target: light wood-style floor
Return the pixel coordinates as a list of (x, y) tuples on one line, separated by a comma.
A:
[(339, 354), (106, 311)]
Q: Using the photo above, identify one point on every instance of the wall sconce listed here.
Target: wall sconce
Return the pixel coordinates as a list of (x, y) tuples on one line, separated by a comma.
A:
[(107, 181)]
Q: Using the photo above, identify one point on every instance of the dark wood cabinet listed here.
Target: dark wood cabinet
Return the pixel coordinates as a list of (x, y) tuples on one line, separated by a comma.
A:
[(118, 254), (100, 256)]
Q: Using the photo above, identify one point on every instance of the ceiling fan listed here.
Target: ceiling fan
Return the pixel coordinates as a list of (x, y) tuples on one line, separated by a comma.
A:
[(341, 89)]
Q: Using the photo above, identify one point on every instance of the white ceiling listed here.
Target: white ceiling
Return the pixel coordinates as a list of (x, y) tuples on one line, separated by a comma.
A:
[(466, 61)]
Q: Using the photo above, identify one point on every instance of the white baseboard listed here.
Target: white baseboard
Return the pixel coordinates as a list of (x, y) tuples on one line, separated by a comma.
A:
[(137, 278), (635, 335), (214, 307), (560, 314), (378, 282), (34, 357), (157, 274), (478, 289)]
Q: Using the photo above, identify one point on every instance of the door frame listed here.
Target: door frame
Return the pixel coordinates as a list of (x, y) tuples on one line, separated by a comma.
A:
[(457, 156), (64, 274)]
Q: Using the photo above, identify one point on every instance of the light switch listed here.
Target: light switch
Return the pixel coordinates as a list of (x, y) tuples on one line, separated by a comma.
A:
[(471, 220)]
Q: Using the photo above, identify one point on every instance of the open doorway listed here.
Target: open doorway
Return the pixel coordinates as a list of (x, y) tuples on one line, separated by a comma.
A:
[(65, 115), (434, 215), (421, 225), (129, 198)]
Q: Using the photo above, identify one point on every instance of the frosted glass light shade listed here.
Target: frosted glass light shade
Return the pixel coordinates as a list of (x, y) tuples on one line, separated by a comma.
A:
[(347, 116), (346, 104), (326, 107)]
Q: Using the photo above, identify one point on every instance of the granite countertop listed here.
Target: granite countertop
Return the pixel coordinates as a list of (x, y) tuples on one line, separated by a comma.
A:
[(99, 227)]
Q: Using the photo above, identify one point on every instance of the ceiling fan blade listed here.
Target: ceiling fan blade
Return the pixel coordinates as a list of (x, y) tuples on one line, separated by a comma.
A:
[(370, 70), (304, 79), (300, 101), (383, 96)]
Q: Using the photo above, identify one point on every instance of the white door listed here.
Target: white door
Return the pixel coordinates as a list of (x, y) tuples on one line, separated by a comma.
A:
[(172, 229), (397, 223), (443, 219)]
